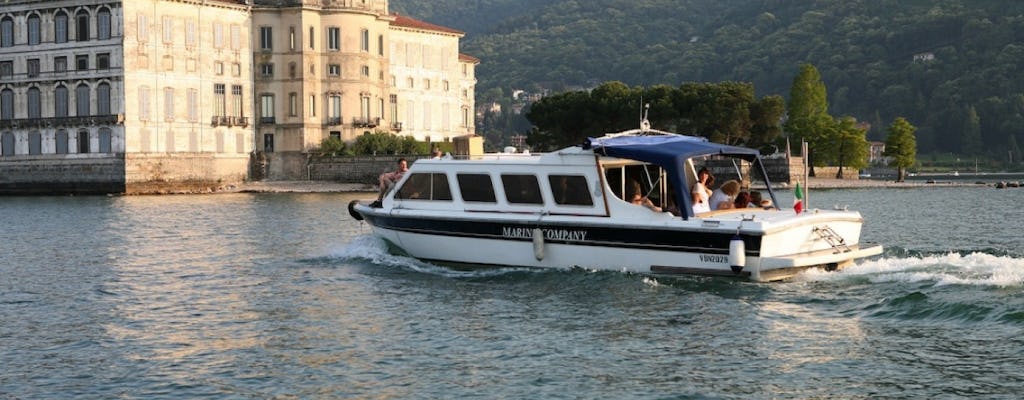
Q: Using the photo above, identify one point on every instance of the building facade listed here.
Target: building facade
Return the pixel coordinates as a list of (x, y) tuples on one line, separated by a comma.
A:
[(142, 96)]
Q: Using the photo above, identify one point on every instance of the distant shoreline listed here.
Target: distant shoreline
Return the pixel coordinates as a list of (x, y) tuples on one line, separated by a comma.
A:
[(338, 187)]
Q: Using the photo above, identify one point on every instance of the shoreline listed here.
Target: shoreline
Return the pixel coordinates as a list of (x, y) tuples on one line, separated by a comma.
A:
[(340, 187)]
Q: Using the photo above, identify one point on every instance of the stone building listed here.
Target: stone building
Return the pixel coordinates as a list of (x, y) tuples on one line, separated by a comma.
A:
[(143, 96), (342, 68), (124, 96)]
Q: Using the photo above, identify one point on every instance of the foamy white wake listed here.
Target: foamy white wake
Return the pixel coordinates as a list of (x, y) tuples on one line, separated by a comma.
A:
[(375, 250), (950, 269)]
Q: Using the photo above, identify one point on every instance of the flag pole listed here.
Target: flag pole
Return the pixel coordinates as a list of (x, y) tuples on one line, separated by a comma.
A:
[(807, 183)]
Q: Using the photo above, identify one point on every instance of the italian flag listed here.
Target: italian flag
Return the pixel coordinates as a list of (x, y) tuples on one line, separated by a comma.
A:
[(798, 199)]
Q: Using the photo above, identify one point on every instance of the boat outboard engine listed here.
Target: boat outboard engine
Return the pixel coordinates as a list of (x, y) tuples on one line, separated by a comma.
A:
[(737, 254)]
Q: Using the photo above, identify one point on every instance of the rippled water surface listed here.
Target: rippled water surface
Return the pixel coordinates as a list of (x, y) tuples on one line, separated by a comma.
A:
[(285, 296)]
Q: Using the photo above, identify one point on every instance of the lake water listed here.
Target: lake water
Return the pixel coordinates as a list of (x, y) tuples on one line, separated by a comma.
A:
[(285, 296)]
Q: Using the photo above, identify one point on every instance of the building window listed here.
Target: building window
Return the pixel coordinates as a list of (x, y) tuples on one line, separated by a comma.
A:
[(333, 39), (168, 104), (335, 110), (6, 104), (81, 62), (312, 40), (83, 141), (192, 98), (267, 70), (60, 101), (60, 64), (267, 108), (364, 107), (144, 103), (7, 32), (236, 69), (60, 27), (6, 69), (268, 142), (365, 71), (293, 104), (191, 39), (35, 143), (393, 103), (34, 102), (82, 26), (103, 24), (364, 40), (218, 36), (380, 45), (236, 103), (82, 100), (410, 83), (105, 140), (168, 29), (291, 38), (266, 38), (426, 84), (32, 67), (61, 141), (334, 70), (103, 61), (33, 29), (236, 37), (312, 105), (103, 99), (218, 68), (445, 85), (219, 105)]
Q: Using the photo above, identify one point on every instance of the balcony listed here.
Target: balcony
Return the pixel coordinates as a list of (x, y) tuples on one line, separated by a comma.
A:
[(396, 126), (268, 120), (61, 122), (333, 121), (365, 122)]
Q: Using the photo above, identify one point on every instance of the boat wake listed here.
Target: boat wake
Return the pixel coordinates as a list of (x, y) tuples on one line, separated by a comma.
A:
[(979, 269), (375, 250)]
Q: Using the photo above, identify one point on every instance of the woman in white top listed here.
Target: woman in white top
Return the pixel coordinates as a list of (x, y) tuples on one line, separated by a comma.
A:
[(700, 192), (723, 197)]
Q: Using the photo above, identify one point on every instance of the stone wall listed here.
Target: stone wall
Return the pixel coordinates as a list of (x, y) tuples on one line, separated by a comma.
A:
[(355, 169), (183, 172), (62, 174)]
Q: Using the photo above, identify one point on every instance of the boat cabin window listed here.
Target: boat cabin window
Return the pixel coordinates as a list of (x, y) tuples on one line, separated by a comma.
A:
[(476, 187), (425, 186), (570, 190), (521, 189)]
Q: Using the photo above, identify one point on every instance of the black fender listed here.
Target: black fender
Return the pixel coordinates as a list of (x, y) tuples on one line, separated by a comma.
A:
[(352, 210)]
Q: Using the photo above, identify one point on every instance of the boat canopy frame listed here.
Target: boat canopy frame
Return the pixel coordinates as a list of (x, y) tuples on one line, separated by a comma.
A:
[(670, 152)]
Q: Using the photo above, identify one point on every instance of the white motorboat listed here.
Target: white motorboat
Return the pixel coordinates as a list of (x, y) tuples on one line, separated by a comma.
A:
[(568, 208)]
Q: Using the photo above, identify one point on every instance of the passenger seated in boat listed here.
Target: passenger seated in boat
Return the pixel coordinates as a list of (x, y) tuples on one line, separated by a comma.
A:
[(723, 197), (755, 199), (742, 200), (637, 197), (388, 179), (700, 191)]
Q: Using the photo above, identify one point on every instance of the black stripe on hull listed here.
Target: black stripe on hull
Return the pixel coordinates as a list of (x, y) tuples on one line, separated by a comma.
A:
[(574, 234)]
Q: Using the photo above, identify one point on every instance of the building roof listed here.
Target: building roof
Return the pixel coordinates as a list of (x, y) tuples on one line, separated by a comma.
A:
[(407, 22), (463, 57)]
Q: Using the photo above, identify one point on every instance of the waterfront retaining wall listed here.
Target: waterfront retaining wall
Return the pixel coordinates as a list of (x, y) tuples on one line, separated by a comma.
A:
[(62, 174)]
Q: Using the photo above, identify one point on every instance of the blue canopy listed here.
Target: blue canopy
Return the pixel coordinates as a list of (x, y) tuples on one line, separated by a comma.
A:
[(669, 152)]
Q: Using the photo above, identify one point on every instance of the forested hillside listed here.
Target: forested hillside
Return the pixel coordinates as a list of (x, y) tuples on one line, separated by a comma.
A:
[(951, 67)]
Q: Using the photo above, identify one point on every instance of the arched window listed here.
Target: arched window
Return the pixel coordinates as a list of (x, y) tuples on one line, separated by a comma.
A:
[(82, 100), (6, 104), (83, 141), (60, 27), (103, 99), (33, 29), (60, 101), (105, 140), (7, 144), (34, 105), (7, 32), (82, 26), (103, 24), (61, 142)]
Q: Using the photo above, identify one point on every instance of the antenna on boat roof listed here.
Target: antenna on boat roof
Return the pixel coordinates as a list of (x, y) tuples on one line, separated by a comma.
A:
[(644, 123)]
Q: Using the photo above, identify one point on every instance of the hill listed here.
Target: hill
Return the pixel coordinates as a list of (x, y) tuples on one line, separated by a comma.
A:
[(951, 67)]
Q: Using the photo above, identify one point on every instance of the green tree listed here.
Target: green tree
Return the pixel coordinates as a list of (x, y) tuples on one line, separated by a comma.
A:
[(901, 147), (849, 145), (970, 142), (807, 112)]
